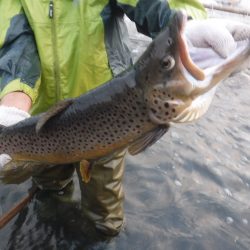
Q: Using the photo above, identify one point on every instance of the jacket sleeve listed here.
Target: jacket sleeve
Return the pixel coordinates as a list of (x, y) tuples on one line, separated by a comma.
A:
[(151, 17), (19, 60)]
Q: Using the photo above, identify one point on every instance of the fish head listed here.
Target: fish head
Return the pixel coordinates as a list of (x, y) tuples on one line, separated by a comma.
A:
[(178, 85), (158, 64)]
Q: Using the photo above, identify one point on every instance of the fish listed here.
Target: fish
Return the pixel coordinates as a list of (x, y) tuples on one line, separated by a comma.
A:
[(131, 111)]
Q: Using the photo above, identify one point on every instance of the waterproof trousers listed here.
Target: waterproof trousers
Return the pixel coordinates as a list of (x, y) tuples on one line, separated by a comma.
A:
[(101, 198)]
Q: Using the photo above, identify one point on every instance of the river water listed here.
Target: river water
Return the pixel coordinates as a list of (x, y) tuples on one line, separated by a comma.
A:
[(191, 190)]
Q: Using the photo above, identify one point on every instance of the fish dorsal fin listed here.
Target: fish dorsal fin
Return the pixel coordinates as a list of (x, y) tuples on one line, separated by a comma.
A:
[(147, 140), (52, 112)]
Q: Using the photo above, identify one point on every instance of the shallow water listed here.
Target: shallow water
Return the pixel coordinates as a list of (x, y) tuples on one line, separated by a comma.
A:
[(191, 190)]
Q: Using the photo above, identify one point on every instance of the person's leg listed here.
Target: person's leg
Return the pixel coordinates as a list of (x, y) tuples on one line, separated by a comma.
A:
[(54, 177), (102, 197), (56, 191)]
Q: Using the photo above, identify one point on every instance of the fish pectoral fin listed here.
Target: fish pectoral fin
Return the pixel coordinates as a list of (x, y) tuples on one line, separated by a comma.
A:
[(147, 140), (52, 112), (85, 168), (16, 172)]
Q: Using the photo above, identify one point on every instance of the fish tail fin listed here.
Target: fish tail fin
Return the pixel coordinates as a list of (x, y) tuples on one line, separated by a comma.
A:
[(16, 172)]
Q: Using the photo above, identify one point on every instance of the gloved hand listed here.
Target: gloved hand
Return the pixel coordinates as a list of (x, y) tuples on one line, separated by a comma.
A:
[(221, 35), (8, 117)]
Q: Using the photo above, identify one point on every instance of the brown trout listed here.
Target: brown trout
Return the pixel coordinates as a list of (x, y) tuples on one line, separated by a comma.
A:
[(132, 111)]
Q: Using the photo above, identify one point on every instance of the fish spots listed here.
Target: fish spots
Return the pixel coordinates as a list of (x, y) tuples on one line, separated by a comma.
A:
[(154, 111), (160, 104), (104, 125), (166, 105), (101, 126)]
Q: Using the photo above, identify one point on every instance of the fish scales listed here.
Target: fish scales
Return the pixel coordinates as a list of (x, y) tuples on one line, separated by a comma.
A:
[(132, 110), (83, 131)]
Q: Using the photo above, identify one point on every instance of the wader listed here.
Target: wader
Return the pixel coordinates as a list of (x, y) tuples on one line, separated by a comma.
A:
[(101, 198)]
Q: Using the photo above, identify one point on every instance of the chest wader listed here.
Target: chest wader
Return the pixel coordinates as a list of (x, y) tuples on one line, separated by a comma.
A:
[(101, 198), (54, 177)]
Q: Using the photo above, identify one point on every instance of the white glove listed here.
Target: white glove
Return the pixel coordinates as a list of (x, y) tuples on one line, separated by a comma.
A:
[(221, 35), (8, 117)]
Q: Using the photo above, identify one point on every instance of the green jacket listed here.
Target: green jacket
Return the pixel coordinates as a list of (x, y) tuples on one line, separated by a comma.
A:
[(57, 49)]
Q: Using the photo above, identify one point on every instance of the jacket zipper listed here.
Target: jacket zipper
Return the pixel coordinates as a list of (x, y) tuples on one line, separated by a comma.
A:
[(56, 67), (51, 9)]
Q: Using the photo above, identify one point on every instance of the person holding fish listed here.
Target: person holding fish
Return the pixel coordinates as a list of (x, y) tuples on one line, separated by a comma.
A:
[(53, 50)]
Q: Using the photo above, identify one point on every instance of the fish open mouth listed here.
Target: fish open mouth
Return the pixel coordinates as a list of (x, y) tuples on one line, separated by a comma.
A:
[(200, 71), (185, 92), (216, 69), (185, 57), (203, 68)]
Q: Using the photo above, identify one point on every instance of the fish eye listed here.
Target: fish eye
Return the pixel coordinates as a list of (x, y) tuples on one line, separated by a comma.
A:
[(168, 62)]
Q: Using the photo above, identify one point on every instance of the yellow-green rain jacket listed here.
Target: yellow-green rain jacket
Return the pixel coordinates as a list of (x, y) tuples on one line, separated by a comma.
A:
[(57, 49)]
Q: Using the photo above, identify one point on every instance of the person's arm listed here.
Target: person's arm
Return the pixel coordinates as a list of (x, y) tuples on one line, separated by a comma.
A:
[(151, 17), (19, 66), (19, 60)]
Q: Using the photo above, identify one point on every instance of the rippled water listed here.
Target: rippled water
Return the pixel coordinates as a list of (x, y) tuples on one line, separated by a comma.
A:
[(191, 190)]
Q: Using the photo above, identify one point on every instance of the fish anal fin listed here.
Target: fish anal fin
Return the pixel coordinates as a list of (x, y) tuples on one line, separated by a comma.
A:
[(147, 140), (52, 112)]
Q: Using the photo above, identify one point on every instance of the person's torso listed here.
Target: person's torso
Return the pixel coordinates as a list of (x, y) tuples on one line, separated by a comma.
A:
[(70, 38)]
